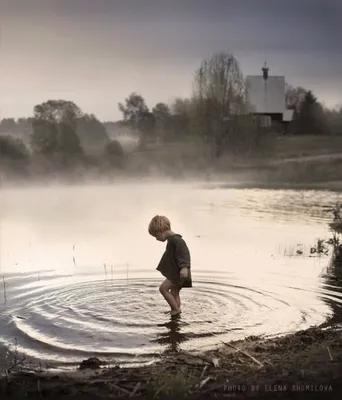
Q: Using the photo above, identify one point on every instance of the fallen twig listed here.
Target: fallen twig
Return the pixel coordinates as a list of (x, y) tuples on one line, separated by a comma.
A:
[(121, 389), (330, 355), (135, 389), (244, 352), (201, 384), (204, 369)]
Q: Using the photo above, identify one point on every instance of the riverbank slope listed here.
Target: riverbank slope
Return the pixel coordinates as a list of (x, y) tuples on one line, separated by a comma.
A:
[(307, 363)]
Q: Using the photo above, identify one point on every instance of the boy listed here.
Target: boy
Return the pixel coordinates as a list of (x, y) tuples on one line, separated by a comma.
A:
[(174, 264)]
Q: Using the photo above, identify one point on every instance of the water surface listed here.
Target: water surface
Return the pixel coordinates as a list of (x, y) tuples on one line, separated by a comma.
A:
[(79, 276)]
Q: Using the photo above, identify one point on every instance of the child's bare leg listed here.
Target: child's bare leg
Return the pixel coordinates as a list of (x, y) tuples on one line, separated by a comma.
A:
[(164, 289), (175, 294)]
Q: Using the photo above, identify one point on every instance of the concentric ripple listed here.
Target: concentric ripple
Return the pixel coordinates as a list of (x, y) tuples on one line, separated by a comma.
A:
[(126, 321)]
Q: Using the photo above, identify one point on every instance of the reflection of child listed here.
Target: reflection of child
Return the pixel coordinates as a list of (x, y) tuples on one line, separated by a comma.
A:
[(174, 264)]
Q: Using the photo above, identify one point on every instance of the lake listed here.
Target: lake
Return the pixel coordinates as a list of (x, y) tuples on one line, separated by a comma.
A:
[(78, 268)]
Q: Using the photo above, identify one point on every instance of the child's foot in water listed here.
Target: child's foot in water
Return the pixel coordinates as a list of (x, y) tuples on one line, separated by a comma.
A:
[(172, 312), (175, 312)]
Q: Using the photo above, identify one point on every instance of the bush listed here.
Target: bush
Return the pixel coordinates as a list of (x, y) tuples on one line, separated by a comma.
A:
[(13, 149), (244, 137), (14, 157), (113, 154)]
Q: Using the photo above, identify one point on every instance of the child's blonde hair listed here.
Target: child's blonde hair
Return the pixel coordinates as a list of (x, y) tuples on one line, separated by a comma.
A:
[(159, 223)]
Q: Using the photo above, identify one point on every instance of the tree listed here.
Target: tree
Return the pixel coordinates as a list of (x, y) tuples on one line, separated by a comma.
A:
[(181, 114), (13, 149), (14, 156), (92, 133), (220, 80), (334, 118), (311, 119), (134, 110), (55, 130), (219, 93), (146, 126), (137, 116), (162, 120), (57, 111), (7, 125), (294, 96), (114, 154), (161, 112)]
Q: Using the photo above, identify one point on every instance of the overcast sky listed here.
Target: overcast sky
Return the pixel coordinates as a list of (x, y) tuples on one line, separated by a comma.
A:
[(96, 52)]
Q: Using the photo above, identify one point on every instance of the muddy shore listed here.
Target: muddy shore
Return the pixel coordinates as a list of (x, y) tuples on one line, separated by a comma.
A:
[(307, 363)]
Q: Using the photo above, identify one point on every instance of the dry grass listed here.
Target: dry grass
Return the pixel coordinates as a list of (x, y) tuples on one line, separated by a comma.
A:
[(169, 159), (305, 171), (306, 145), (173, 383), (176, 159)]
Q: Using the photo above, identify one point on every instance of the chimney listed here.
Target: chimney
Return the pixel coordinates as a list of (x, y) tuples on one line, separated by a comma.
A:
[(265, 72)]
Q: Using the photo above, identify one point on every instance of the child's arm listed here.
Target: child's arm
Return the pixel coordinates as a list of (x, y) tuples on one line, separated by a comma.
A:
[(182, 255)]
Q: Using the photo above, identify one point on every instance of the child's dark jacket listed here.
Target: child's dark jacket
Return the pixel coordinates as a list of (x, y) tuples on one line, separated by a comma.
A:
[(176, 256)]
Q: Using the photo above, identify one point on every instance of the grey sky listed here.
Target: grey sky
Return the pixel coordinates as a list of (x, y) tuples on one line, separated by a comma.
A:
[(96, 52)]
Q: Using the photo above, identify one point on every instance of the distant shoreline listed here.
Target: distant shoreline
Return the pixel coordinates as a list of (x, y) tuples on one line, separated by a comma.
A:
[(206, 181)]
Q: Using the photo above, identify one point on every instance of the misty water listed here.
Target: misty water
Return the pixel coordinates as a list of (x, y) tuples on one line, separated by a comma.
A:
[(79, 279)]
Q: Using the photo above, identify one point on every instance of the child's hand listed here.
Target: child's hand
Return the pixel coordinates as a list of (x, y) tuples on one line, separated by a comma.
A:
[(184, 272)]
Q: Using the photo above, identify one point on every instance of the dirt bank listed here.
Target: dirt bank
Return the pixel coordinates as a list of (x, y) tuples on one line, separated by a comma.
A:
[(308, 363)]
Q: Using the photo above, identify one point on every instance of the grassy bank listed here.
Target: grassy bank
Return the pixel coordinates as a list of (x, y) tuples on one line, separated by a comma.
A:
[(306, 145), (290, 161), (286, 160)]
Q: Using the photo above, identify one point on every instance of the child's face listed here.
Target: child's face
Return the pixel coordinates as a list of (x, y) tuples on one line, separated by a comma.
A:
[(160, 236)]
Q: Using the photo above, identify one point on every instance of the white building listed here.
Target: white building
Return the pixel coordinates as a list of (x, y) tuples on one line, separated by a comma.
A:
[(266, 95)]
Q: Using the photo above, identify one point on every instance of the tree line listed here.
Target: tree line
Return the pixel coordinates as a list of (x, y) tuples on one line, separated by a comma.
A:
[(217, 113), (310, 116)]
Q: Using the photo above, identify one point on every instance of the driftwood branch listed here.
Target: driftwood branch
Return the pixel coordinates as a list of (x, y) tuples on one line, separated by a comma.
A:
[(244, 353)]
